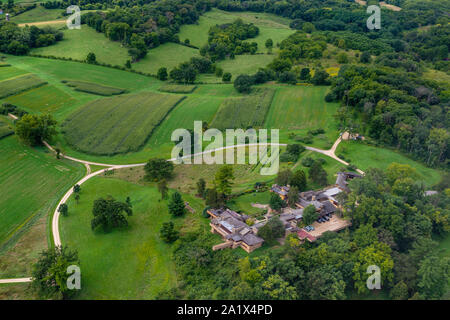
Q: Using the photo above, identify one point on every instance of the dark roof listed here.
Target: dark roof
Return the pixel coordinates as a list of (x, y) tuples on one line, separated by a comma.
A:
[(327, 208)]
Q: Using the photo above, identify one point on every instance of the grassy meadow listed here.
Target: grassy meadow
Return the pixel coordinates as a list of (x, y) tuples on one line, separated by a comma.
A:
[(27, 174), (6, 129), (365, 156), (128, 263), (77, 43), (167, 55)]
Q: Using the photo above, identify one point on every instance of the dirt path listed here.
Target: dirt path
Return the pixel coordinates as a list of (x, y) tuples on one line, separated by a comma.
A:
[(89, 175), (41, 23)]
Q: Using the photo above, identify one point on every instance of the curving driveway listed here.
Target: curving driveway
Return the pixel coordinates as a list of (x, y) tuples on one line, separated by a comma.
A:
[(89, 175)]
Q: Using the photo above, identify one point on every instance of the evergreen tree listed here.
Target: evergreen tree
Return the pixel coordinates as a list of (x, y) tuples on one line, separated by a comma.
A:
[(176, 205)]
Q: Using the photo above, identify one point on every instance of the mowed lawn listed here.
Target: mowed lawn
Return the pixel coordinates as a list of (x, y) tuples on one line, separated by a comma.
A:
[(77, 43), (168, 55), (301, 108), (117, 125), (45, 99), (32, 181), (365, 156), (128, 263)]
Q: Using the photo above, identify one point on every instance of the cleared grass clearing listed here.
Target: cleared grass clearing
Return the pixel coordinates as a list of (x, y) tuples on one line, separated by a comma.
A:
[(94, 88), (167, 55), (43, 99), (244, 112), (19, 84), (32, 181), (246, 63), (77, 43), (54, 71), (365, 156), (136, 257), (117, 125), (10, 72), (270, 26), (38, 14), (177, 88), (302, 108)]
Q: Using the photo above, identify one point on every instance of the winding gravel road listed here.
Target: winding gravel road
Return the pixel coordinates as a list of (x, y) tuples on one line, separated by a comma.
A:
[(89, 175)]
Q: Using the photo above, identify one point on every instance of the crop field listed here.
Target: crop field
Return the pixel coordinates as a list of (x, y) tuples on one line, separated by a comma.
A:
[(365, 156), (117, 125), (136, 257), (43, 99), (19, 84), (193, 108), (244, 112), (167, 55), (77, 43), (176, 88), (94, 88), (26, 175), (10, 72), (5, 128), (38, 14)]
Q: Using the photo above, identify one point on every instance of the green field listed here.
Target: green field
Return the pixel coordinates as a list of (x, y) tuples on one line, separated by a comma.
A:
[(299, 109), (32, 183), (22, 83), (271, 26), (94, 88), (365, 156), (244, 112), (10, 72), (77, 43), (117, 125), (5, 128), (45, 99), (177, 88), (168, 55), (38, 14), (131, 263)]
